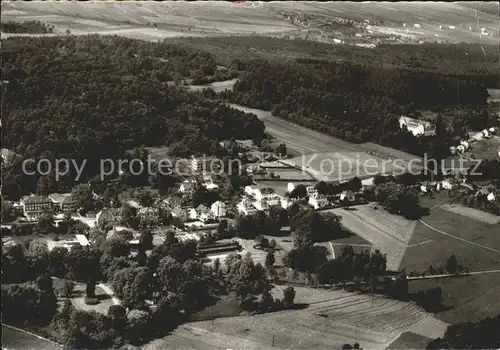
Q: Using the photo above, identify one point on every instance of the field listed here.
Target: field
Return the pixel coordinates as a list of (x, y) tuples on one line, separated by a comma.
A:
[(14, 339), (389, 233), (472, 213), (153, 21), (373, 322)]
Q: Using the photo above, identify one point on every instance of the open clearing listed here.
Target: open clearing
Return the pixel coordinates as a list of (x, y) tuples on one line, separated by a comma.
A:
[(472, 213), (373, 322), (347, 158), (389, 233), (153, 20)]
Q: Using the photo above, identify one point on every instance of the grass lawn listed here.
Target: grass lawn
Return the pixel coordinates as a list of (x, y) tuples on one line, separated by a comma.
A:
[(470, 298), (226, 306)]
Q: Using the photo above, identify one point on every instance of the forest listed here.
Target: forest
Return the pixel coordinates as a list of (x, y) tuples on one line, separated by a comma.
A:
[(33, 27), (95, 97)]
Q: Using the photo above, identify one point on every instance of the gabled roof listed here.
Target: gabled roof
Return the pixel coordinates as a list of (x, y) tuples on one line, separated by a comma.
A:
[(36, 199)]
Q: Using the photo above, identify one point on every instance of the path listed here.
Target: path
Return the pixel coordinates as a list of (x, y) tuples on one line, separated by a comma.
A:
[(483, 272), (109, 292)]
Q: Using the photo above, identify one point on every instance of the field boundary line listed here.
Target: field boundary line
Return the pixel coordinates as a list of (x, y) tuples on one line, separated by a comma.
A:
[(458, 238), (32, 334)]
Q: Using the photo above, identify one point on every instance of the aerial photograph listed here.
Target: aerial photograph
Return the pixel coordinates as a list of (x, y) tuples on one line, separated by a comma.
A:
[(249, 175)]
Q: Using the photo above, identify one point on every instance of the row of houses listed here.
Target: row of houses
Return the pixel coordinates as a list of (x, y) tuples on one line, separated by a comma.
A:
[(202, 213), (261, 199), (465, 145), (452, 183), (34, 206)]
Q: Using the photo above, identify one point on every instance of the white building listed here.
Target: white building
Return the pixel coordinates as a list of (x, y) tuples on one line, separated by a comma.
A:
[(218, 209), (211, 187), (286, 202), (417, 26), (491, 197), (451, 27), (290, 187), (447, 184), (192, 214), (261, 204), (318, 202), (417, 127), (245, 207), (347, 196), (205, 165), (187, 186)]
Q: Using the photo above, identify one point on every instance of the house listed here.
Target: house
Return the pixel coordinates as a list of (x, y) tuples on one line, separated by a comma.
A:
[(451, 27), (171, 202), (187, 187), (483, 192), (417, 127), (448, 184), (487, 134), (417, 26), (286, 202), (245, 144), (192, 214), (491, 197), (245, 207), (274, 200), (36, 206), (180, 213), (134, 204), (149, 216), (211, 187), (204, 213), (465, 144), (260, 193), (261, 204), (290, 187), (205, 165), (311, 190), (218, 209), (318, 202), (63, 202), (7, 155), (207, 178), (347, 196), (460, 149), (202, 209)]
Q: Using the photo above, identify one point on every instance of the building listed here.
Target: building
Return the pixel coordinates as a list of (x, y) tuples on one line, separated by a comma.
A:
[(205, 165), (448, 184), (179, 213), (134, 204), (149, 216), (264, 193), (491, 197), (36, 206), (417, 26), (290, 187), (417, 127), (245, 207), (348, 196), (211, 187), (192, 214), (318, 202), (261, 204), (286, 202), (218, 209), (187, 187)]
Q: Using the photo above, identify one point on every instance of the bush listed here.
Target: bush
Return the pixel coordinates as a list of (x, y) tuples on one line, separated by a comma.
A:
[(91, 301)]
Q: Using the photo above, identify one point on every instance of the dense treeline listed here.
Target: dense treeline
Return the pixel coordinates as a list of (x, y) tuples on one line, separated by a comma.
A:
[(33, 27), (462, 58), (94, 97), (469, 335), (355, 102)]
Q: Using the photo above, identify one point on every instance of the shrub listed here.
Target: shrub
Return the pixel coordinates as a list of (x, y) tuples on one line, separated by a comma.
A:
[(91, 301)]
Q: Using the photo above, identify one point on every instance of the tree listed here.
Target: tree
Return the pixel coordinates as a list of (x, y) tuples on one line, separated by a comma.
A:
[(270, 260), (281, 150), (299, 191), (83, 196), (67, 289), (246, 227), (90, 288), (129, 216), (146, 240), (452, 265), (288, 297)]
